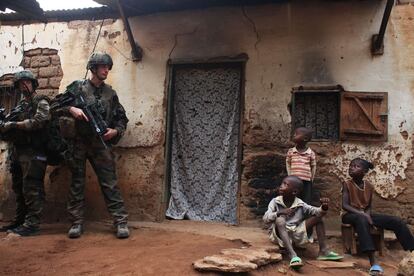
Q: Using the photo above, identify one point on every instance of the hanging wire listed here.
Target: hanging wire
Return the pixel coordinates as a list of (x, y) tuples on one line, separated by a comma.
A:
[(22, 39), (96, 42)]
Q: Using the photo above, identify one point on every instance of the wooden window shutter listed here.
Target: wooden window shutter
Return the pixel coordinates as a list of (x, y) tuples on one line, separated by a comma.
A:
[(364, 116)]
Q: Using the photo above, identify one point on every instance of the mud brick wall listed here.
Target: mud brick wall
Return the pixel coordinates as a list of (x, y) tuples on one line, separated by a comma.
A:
[(262, 175), (6, 80), (45, 65)]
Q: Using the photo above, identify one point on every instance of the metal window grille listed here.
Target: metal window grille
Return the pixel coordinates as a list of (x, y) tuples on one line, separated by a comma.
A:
[(319, 111)]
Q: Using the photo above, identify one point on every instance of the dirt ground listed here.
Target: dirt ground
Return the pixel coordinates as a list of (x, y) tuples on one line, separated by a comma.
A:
[(152, 249)]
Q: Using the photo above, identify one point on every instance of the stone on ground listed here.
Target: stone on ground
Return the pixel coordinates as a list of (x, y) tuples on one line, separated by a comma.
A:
[(406, 266), (11, 236), (224, 263), (238, 260), (331, 264)]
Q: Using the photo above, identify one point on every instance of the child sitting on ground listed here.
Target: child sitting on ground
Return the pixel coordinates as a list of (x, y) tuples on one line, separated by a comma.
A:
[(301, 161), (293, 221), (356, 202)]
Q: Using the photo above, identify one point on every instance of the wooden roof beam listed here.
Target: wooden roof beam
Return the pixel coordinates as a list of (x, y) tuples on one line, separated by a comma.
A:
[(136, 50), (377, 47)]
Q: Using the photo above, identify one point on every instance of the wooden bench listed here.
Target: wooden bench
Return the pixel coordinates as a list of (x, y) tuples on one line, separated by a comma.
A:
[(350, 239)]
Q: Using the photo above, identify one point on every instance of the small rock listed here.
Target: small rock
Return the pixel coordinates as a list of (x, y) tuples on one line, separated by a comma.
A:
[(224, 263), (406, 266), (238, 259), (325, 264), (259, 256), (282, 270), (11, 236)]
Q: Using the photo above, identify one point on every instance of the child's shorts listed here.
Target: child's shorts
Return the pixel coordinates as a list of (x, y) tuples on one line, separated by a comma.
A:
[(297, 234)]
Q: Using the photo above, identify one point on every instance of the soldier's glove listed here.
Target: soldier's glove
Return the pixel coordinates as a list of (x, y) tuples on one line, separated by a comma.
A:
[(7, 126)]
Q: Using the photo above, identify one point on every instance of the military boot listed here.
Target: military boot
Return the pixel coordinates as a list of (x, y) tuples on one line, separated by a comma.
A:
[(122, 231), (75, 231), (12, 225), (24, 231)]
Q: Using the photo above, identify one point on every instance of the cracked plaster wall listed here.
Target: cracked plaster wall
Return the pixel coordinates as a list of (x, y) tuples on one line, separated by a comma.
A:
[(291, 44), (394, 158)]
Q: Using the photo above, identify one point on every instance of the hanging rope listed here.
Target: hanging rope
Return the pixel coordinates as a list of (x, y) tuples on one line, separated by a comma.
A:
[(22, 39), (96, 42)]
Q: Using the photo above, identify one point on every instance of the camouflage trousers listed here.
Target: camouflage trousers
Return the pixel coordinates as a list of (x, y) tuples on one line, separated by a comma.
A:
[(28, 173), (103, 163)]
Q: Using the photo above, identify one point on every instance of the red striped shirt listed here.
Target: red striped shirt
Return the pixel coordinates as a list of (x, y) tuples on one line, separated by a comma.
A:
[(301, 163)]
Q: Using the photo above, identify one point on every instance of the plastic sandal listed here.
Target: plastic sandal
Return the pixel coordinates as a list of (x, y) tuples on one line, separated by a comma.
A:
[(296, 263), (331, 256), (376, 270)]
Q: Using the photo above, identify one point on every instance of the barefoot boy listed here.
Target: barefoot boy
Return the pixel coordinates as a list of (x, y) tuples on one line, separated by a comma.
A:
[(293, 221)]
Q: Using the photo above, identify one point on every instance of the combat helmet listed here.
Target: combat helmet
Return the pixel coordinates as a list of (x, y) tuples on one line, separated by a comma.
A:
[(99, 58), (25, 75)]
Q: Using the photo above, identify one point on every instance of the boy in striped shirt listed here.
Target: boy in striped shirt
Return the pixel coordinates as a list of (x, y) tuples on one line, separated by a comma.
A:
[(301, 161)]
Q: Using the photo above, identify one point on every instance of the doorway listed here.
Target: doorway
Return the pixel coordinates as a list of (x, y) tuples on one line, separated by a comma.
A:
[(203, 141)]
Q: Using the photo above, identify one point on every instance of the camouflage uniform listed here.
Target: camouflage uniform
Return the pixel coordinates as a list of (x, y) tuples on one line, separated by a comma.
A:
[(28, 158), (87, 146)]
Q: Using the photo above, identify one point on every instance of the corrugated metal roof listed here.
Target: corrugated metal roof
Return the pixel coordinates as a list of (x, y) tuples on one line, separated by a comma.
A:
[(28, 8), (140, 7), (65, 15), (110, 9), (85, 13)]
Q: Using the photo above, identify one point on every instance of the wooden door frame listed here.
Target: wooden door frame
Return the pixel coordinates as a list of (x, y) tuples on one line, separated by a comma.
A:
[(171, 65)]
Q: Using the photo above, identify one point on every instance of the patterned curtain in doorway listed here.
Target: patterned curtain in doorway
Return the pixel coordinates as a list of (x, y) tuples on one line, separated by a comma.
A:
[(204, 163)]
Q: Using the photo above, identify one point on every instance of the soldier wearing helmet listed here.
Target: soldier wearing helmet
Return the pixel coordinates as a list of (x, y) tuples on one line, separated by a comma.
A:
[(87, 146), (27, 154), (22, 81), (97, 59)]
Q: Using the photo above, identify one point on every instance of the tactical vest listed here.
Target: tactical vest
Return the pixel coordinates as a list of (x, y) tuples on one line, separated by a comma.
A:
[(83, 128)]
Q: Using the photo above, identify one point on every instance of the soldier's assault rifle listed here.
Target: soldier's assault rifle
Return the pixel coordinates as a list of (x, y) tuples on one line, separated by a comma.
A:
[(2, 115), (76, 99), (13, 116)]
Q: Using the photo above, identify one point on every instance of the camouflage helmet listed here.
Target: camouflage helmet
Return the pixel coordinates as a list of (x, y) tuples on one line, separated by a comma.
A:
[(25, 75), (99, 58)]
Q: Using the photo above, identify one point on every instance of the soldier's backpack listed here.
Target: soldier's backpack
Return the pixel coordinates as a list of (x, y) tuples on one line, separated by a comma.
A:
[(56, 144), (53, 143), (60, 128)]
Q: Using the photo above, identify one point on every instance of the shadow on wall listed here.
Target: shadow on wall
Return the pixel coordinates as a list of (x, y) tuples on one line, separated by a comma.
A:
[(263, 173)]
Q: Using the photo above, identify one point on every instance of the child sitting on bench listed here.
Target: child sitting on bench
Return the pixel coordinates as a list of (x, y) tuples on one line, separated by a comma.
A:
[(356, 203)]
